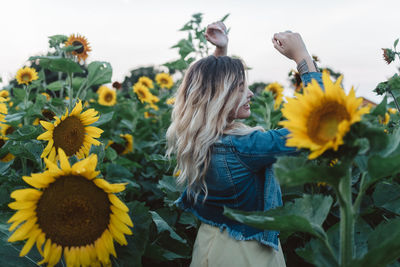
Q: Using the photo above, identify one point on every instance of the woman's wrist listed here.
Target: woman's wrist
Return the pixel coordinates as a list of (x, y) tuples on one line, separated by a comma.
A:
[(221, 51), (306, 64)]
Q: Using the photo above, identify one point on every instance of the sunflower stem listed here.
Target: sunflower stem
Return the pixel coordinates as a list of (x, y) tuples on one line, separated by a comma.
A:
[(357, 202), (346, 221), (83, 86), (62, 87), (70, 90), (26, 99)]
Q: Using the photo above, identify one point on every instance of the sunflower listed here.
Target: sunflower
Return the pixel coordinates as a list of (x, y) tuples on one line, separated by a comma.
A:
[(26, 75), (170, 101), (125, 148), (385, 120), (146, 81), (48, 97), (107, 96), (71, 133), (5, 94), (8, 156), (142, 92), (82, 52), (153, 100), (277, 91), (164, 80), (392, 110), (6, 129), (319, 120), (70, 212)]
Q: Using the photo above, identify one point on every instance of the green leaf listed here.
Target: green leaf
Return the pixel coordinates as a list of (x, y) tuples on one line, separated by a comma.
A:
[(185, 47), (55, 86), (383, 245), (15, 117), (131, 255), (292, 171), (303, 215), (26, 132), (99, 73), (104, 118), (59, 64), (163, 226), (117, 171), (395, 43), (381, 167), (168, 183), (19, 93), (387, 196), (380, 109), (111, 154), (225, 17), (316, 253)]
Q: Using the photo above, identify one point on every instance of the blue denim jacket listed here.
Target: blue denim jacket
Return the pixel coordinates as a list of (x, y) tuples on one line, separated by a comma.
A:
[(240, 177)]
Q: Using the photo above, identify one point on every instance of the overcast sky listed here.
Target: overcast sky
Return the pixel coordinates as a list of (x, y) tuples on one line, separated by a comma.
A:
[(346, 35)]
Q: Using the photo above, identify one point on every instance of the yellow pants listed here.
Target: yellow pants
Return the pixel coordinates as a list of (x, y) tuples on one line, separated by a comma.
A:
[(215, 249)]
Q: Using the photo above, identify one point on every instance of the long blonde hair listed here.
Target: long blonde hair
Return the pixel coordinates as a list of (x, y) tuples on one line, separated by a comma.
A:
[(206, 103)]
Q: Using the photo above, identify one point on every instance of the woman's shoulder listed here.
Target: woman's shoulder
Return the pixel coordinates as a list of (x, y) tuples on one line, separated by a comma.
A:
[(257, 141)]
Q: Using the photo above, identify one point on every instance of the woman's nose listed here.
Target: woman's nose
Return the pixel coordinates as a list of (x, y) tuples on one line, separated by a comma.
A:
[(250, 93)]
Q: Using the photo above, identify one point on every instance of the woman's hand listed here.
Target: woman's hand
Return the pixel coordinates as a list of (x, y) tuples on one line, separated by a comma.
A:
[(217, 35), (292, 46)]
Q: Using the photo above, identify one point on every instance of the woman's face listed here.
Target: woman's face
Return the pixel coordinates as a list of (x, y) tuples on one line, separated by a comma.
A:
[(244, 110)]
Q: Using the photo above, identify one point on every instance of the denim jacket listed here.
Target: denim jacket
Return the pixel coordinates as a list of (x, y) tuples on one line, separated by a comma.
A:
[(240, 177)]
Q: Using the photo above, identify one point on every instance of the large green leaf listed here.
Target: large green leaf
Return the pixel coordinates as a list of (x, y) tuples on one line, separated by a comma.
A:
[(387, 196), (131, 255), (55, 86), (162, 226), (292, 171), (380, 167), (99, 73), (383, 245), (59, 64), (303, 215)]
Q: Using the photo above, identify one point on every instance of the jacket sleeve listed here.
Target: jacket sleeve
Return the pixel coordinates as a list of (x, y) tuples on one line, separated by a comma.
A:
[(306, 78), (260, 149)]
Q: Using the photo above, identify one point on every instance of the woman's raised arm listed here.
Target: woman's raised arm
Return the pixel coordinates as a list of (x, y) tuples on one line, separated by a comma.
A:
[(217, 35)]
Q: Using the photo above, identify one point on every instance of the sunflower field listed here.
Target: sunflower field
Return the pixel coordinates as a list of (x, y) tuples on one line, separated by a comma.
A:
[(84, 180)]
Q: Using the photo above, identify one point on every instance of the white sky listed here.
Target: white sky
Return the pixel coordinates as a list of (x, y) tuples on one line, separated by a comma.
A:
[(346, 35)]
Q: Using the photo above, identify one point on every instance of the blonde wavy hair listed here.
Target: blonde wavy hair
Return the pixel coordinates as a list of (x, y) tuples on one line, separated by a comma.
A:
[(207, 101)]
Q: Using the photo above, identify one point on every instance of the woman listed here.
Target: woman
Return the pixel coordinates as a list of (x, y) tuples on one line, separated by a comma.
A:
[(224, 162)]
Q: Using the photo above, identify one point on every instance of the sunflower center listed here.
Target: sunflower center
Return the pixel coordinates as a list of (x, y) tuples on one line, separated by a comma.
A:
[(119, 148), (164, 81), (108, 97), (323, 122), (26, 77), (141, 94), (77, 43), (48, 114), (73, 211), (69, 135), (10, 130)]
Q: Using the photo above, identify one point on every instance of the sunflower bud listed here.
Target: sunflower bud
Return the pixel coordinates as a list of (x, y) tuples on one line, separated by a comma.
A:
[(388, 55)]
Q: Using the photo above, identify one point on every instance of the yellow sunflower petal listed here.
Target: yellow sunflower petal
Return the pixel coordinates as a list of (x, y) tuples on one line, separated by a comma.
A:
[(26, 194), (39, 243), (45, 136), (122, 216), (117, 202), (19, 205), (31, 241), (77, 109), (109, 188), (93, 131), (119, 225), (47, 125), (21, 215), (22, 232), (64, 163)]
